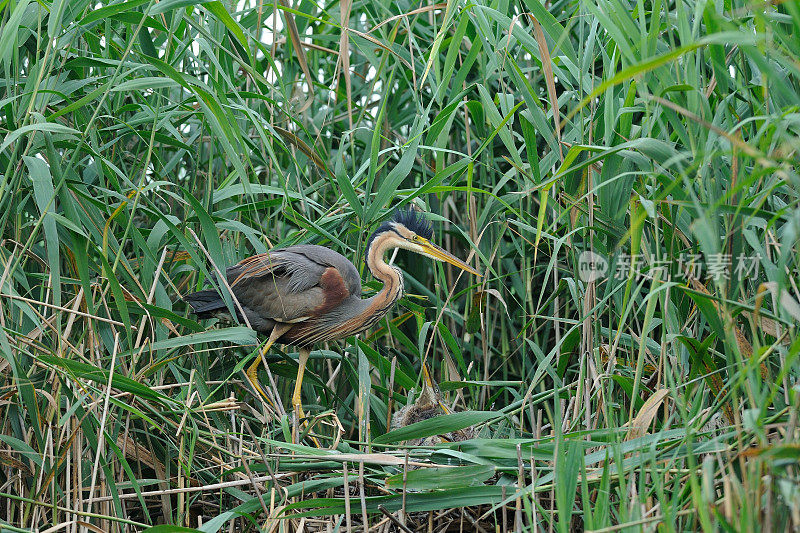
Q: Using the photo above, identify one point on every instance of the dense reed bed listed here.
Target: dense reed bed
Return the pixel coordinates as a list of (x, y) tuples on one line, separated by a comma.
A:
[(624, 173)]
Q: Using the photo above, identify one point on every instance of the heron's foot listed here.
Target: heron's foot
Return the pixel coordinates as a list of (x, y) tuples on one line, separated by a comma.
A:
[(252, 370), (302, 426), (299, 424), (252, 377), (297, 400), (299, 414)]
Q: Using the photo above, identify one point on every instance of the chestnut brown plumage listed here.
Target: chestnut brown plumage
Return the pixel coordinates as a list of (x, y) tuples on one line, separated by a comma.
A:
[(305, 294)]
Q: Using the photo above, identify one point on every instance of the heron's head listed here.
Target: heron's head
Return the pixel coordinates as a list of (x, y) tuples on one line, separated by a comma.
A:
[(410, 230)]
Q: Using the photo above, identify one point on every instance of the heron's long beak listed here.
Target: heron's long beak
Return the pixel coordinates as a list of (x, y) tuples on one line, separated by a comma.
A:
[(431, 250)]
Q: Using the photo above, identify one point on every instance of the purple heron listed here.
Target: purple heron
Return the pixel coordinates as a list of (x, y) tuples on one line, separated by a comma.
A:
[(305, 294)]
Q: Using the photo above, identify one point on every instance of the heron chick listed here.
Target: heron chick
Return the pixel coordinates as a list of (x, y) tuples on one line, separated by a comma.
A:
[(306, 294), (428, 405)]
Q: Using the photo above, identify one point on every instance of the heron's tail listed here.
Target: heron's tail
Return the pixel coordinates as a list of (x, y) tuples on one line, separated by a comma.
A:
[(204, 303)]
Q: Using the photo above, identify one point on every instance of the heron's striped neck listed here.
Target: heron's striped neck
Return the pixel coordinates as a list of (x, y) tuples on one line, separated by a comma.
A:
[(391, 277)]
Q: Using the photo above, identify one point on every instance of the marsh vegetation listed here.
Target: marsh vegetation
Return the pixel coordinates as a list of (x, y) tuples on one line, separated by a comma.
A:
[(623, 174)]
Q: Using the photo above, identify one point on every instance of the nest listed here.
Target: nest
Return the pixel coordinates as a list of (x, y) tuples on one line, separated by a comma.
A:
[(428, 405)]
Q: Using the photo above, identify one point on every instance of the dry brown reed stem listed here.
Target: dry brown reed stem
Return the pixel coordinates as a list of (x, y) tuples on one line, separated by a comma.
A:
[(201, 488), (64, 309)]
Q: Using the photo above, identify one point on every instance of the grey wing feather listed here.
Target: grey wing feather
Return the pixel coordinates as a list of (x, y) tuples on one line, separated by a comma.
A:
[(303, 264), (326, 257), (283, 284)]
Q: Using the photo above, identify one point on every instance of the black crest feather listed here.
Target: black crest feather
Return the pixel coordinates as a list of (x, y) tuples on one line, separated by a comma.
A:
[(415, 221), (411, 219)]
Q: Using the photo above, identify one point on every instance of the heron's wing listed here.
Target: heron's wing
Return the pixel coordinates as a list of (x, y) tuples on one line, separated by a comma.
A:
[(290, 284), (329, 258), (300, 274)]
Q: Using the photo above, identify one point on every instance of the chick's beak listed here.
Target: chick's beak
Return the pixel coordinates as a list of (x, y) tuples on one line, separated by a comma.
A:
[(430, 384), (438, 253)]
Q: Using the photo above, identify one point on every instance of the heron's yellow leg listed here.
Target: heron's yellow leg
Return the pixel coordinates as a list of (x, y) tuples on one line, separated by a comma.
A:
[(296, 397), (297, 400), (252, 370), (252, 373)]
